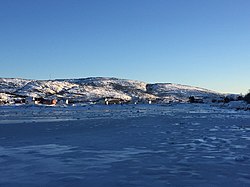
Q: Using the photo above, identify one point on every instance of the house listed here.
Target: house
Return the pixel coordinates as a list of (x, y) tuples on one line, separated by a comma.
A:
[(66, 101), (101, 101), (133, 101), (19, 101), (53, 102), (112, 101), (63, 102), (30, 100), (46, 101), (138, 100)]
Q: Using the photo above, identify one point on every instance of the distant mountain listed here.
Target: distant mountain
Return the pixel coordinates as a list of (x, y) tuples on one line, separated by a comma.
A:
[(97, 88)]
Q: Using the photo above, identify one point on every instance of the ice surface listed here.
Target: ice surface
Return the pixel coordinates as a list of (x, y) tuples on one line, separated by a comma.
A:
[(129, 145)]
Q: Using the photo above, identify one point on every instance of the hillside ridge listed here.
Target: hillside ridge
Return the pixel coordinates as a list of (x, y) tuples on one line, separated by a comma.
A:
[(96, 88)]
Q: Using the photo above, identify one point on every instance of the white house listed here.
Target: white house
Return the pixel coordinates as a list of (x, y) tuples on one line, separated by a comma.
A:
[(63, 102), (30, 100)]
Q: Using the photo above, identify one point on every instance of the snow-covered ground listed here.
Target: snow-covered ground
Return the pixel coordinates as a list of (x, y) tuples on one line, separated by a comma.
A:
[(124, 145)]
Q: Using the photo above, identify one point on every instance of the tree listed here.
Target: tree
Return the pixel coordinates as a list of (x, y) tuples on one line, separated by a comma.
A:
[(227, 100), (247, 98), (191, 99)]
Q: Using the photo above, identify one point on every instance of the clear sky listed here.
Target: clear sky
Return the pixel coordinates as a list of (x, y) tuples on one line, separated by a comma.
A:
[(202, 43)]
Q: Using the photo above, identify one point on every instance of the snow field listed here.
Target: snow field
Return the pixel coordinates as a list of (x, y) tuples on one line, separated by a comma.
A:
[(133, 145)]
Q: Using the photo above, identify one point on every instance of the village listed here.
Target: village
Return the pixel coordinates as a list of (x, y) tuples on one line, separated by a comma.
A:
[(52, 101), (62, 101)]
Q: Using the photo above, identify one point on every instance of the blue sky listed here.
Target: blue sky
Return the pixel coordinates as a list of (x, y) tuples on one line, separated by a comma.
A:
[(195, 42)]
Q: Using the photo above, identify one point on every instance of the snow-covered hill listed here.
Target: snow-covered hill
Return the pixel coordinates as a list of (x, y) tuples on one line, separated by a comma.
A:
[(10, 85), (97, 88), (182, 92)]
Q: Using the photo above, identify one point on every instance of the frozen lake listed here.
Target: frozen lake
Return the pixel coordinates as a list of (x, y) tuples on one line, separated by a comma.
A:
[(143, 145)]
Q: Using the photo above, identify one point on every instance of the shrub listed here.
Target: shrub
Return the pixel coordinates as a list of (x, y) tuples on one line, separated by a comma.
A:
[(240, 98), (191, 99), (247, 98), (227, 100)]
